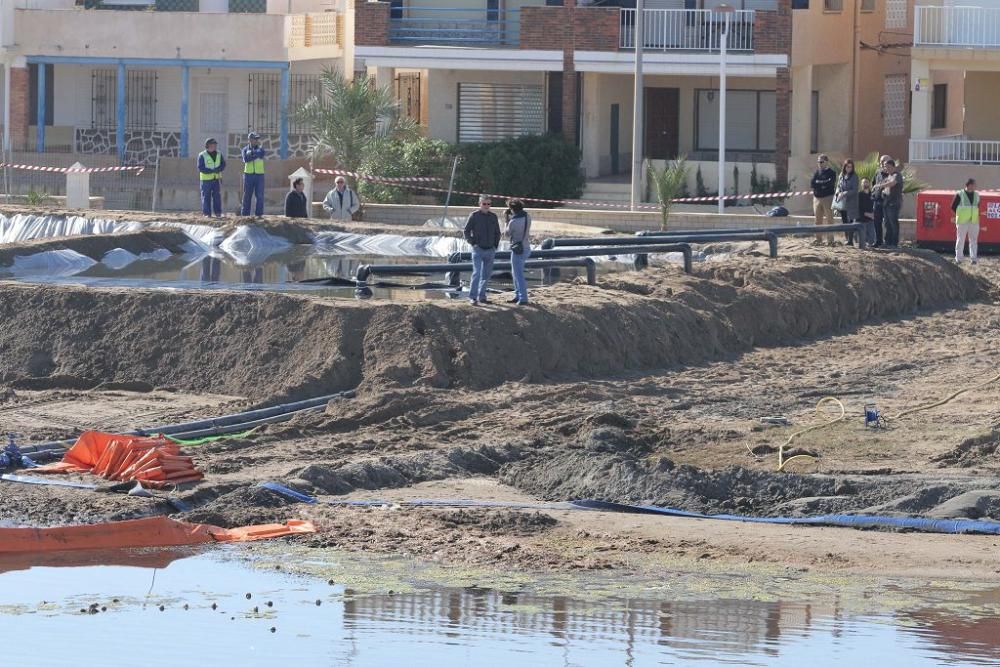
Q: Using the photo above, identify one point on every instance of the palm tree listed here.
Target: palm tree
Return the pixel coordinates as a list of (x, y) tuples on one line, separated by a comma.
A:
[(868, 167), (353, 121), (668, 183)]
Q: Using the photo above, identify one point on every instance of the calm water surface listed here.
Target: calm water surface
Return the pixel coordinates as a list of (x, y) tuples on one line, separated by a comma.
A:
[(44, 612)]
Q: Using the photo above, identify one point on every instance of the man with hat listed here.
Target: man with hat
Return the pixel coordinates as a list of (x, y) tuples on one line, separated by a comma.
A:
[(211, 163), (253, 175)]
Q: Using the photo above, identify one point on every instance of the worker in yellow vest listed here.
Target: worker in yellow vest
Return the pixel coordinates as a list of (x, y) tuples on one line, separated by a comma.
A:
[(966, 208), (253, 175), (211, 163)]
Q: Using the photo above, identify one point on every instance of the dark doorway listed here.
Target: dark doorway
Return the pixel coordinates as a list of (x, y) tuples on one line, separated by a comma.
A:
[(663, 110), (615, 119)]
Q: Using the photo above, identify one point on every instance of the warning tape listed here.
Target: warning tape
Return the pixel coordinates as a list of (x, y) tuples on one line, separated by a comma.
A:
[(404, 182), (69, 170)]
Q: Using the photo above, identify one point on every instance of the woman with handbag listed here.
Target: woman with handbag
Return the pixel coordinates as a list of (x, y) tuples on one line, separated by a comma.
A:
[(845, 200), (518, 231)]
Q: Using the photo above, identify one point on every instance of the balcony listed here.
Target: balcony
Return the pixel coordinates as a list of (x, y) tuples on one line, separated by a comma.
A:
[(687, 30), (955, 150), (181, 35), (455, 26), (956, 27)]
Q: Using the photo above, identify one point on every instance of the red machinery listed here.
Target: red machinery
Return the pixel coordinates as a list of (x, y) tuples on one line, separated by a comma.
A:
[(936, 221)]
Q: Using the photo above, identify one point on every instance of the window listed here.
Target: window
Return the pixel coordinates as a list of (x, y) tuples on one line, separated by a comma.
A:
[(867, 5), (750, 120), (895, 14), (894, 105), (800, 4), (494, 111), (939, 111), (33, 94), (833, 5), (140, 99), (264, 100)]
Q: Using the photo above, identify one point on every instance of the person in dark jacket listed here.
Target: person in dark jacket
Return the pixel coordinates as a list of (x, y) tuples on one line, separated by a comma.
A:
[(846, 199), (482, 231), (878, 214), (824, 184), (211, 164), (295, 200), (891, 188)]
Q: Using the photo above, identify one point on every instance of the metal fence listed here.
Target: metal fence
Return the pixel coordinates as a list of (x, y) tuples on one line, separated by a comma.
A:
[(264, 101), (688, 30)]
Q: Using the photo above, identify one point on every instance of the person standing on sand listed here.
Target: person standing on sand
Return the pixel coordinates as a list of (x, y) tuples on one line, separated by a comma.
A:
[(342, 202), (482, 231), (966, 208), (891, 188), (211, 164), (518, 231), (865, 211), (295, 200), (824, 183), (253, 175), (846, 199), (878, 213)]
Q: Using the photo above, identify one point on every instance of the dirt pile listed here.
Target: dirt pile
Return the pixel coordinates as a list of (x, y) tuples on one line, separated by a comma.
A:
[(277, 346), (95, 247)]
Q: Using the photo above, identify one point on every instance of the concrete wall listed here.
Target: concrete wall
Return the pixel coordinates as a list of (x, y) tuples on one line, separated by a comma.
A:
[(622, 221), (442, 96)]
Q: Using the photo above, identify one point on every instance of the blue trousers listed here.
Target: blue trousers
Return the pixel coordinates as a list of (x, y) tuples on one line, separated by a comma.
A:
[(253, 186), (482, 269), (211, 198), (517, 270)]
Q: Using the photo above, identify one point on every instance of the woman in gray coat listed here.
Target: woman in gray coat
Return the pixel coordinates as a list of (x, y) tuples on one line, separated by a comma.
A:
[(846, 199)]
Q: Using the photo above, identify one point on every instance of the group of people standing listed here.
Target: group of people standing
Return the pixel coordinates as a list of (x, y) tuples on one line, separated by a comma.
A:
[(482, 231), (211, 164), (876, 205)]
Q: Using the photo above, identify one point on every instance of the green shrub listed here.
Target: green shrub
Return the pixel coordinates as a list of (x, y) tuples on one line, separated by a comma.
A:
[(541, 166), (417, 157)]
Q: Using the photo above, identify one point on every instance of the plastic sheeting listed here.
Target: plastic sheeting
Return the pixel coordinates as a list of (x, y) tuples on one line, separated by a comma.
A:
[(19, 228), (51, 264), (119, 258), (253, 245), (388, 245)]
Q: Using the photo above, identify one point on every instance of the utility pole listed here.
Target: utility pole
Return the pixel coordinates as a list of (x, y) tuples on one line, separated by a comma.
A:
[(638, 109)]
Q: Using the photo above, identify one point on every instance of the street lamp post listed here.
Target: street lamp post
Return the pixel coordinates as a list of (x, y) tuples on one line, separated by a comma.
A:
[(725, 10), (638, 109)]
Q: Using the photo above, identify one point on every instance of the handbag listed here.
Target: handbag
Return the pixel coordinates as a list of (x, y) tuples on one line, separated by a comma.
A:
[(838, 204), (517, 247)]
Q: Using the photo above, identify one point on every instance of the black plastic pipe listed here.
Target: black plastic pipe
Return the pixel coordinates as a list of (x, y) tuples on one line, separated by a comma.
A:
[(454, 270), (770, 237), (641, 249), (779, 231)]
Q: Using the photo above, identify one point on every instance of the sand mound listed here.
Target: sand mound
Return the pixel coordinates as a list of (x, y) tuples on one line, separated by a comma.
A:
[(278, 346)]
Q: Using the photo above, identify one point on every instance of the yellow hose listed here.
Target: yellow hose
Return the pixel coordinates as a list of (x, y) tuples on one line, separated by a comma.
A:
[(782, 461), (949, 398)]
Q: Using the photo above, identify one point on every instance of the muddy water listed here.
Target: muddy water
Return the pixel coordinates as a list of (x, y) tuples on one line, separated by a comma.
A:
[(181, 607)]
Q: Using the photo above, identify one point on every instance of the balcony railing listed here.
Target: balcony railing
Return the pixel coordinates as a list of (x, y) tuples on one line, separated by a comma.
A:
[(958, 27), (688, 30), (962, 151), (455, 26), (314, 29)]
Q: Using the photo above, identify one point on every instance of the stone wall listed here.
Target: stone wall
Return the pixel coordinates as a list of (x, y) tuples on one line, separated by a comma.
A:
[(141, 146), (299, 145)]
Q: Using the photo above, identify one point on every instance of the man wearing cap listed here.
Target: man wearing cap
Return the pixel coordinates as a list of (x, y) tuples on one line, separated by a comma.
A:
[(211, 163), (253, 175), (342, 202)]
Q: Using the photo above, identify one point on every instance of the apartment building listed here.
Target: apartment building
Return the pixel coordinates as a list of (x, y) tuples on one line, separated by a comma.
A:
[(956, 62), (141, 78), (803, 76)]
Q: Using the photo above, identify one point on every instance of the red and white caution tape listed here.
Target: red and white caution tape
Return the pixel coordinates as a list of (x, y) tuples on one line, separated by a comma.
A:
[(69, 170), (414, 181)]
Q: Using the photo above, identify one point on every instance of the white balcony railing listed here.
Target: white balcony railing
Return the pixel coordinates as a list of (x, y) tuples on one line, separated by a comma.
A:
[(688, 30), (961, 27), (314, 29), (963, 151)]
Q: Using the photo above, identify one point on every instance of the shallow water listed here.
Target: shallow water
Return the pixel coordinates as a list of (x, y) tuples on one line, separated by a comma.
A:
[(45, 612)]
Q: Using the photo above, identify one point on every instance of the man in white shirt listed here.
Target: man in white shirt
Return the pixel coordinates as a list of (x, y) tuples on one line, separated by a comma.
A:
[(342, 202)]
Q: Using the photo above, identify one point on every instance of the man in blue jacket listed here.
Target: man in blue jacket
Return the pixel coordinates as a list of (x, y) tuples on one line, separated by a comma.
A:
[(253, 175), (211, 163)]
